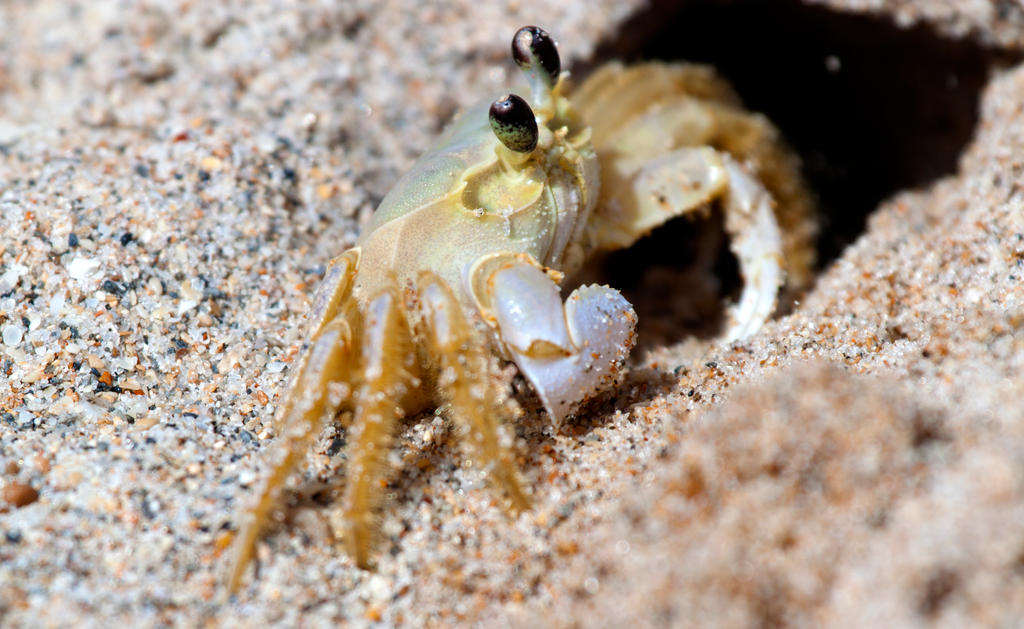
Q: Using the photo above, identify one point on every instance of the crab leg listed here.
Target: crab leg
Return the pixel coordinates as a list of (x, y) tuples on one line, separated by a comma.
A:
[(755, 239), (332, 300), (389, 364), (568, 352), (468, 378), (685, 180), (309, 403), (641, 112)]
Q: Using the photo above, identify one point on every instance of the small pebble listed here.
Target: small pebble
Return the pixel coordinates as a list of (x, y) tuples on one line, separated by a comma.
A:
[(82, 268), (19, 495), (13, 334)]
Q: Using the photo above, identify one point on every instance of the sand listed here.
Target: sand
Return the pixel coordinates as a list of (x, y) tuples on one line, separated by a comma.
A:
[(173, 180)]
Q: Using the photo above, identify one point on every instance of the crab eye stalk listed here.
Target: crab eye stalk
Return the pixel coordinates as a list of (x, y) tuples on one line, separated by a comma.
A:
[(513, 123), (535, 52), (533, 49)]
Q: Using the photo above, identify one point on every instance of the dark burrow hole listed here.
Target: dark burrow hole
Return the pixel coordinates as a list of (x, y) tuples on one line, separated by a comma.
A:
[(871, 109)]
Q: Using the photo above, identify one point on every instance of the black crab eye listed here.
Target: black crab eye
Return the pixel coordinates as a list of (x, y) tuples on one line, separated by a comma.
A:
[(533, 48), (513, 123)]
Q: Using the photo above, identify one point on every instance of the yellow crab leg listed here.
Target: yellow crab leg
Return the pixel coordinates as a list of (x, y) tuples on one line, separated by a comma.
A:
[(329, 360), (308, 404), (389, 366), (468, 378), (332, 297)]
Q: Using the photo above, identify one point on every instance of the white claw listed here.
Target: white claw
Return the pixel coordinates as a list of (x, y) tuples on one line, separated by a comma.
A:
[(568, 353), (529, 311)]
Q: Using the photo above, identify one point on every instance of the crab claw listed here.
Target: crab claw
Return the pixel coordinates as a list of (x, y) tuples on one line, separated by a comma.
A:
[(568, 352)]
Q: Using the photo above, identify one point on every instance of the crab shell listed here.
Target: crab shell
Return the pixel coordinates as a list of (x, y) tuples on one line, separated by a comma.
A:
[(469, 197)]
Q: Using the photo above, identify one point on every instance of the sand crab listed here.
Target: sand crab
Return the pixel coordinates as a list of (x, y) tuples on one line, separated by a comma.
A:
[(460, 266)]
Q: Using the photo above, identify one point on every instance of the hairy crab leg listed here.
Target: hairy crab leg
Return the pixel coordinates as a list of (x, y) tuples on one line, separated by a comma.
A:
[(389, 372), (615, 93), (333, 298), (641, 112), (468, 378), (309, 402)]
